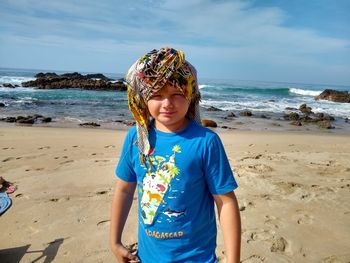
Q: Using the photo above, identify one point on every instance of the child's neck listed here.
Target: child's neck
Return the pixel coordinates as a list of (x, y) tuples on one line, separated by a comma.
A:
[(173, 127)]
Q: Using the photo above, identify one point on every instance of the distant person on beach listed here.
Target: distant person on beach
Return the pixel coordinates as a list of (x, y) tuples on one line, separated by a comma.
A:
[(179, 168)]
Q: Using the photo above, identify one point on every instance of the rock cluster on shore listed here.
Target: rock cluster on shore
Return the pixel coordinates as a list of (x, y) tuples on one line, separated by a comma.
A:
[(75, 80), (27, 119), (334, 95), (308, 116)]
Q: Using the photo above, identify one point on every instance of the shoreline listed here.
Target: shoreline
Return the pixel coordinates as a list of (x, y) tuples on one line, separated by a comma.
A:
[(241, 123)]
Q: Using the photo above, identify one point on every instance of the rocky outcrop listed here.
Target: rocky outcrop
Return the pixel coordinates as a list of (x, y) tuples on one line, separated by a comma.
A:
[(212, 108), (231, 115), (307, 117), (305, 109), (75, 81), (246, 113), (90, 124), (27, 119), (209, 123), (334, 95), (9, 85)]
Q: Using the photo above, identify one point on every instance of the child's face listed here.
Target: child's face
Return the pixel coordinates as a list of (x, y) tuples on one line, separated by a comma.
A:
[(168, 107)]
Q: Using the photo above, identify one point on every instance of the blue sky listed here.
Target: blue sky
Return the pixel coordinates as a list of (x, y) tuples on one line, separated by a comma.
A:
[(290, 41)]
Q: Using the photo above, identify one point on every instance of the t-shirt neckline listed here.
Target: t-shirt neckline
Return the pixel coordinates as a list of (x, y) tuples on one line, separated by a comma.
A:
[(170, 134)]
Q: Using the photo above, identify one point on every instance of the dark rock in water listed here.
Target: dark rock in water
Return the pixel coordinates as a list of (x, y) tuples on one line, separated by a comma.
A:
[(334, 95), (129, 123), (293, 116), (211, 108), (90, 124), (246, 113), (320, 116), (305, 109), (325, 124), (329, 118), (27, 119), (8, 85), (231, 115), (291, 108), (97, 76), (9, 119), (306, 118), (209, 123), (346, 119), (45, 75), (2, 105), (272, 101), (47, 119), (74, 80), (263, 116), (296, 123)]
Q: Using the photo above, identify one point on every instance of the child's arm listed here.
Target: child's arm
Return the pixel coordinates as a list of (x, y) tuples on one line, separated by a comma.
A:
[(230, 222), (121, 204)]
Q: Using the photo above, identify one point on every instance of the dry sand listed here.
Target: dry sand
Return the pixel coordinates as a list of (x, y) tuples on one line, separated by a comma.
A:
[(294, 195)]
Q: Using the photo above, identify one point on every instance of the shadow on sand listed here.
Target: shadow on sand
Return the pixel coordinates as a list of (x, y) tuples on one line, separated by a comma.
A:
[(14, 255)]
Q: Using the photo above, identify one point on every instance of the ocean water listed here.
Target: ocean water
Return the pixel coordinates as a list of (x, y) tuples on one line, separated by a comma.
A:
[(78, 106)]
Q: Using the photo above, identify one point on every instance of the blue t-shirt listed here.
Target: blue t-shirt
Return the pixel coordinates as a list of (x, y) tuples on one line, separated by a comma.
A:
[(175, 202)]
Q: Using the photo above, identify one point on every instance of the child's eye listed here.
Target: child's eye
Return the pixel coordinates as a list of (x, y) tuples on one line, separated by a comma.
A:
[(178, 95), (156, 97)]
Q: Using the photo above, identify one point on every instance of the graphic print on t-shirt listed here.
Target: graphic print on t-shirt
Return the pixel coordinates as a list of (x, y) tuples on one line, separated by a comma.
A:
[(156, 184)]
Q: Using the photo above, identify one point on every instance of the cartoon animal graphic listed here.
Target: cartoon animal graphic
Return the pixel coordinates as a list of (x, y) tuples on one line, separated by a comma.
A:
[(154, 196), (156, 183), (174, 213), (161, 188)]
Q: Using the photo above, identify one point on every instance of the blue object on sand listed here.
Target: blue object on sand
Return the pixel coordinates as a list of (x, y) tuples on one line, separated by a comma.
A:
[(5, 202)]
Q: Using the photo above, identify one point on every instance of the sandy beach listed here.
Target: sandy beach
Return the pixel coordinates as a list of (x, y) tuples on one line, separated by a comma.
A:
[(294, 194)]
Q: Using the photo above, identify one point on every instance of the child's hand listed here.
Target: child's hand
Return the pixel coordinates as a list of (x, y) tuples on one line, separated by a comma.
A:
[(124, 255)]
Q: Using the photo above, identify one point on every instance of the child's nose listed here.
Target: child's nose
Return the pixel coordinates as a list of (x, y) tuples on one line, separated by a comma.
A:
[(167, 102)]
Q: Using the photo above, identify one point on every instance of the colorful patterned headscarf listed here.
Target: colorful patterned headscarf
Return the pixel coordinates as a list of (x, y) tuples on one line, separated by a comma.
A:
[(151, 73)]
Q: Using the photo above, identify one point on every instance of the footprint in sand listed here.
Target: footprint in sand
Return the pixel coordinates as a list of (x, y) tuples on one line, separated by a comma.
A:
[(246, 205), (59, 199), (260, 168), (256, 157), (44, 147), (103, 223), (104, 161), (345, 258), (254, 259), (258, 235), (272, 221), (102, 192), (66, 162), (288, 187), (303, 218), (7, 159), (109, 146), (279, 244)]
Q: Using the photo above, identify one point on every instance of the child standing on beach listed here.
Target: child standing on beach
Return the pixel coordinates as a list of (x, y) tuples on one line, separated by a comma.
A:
[(179, 168)]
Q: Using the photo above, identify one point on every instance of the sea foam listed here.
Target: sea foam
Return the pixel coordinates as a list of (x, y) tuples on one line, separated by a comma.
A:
[(304, 92)]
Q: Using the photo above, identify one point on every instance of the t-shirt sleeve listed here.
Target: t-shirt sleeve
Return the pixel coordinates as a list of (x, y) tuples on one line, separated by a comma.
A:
[(124, 169), (217, 169)]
